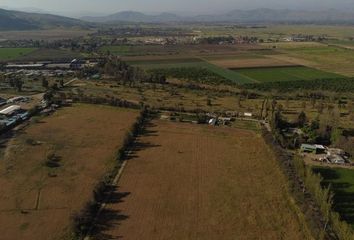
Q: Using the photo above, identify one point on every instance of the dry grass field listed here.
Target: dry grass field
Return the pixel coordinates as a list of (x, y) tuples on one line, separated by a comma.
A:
[(37, 201), (199, 182)]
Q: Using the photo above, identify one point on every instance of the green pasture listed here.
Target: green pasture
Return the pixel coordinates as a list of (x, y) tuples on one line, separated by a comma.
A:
[(13, 53), (280, 74)]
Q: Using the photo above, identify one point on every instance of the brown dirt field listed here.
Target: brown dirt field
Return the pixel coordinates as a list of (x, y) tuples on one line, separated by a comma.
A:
[(200, 182), (86, 138), (251, 62)]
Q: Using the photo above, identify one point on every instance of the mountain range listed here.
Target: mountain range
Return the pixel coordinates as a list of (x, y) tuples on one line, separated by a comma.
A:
[(19, 20), (236, 16)]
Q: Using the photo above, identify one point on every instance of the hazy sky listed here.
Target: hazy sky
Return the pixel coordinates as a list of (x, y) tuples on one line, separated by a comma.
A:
[(190, 6)]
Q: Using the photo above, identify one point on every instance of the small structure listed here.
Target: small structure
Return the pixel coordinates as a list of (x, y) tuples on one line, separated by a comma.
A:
[(336, 159), (313, 148), (18, 99), (336, 151), (76, 64), (247, 114), (224, 120), (10, 110), (213, 121)]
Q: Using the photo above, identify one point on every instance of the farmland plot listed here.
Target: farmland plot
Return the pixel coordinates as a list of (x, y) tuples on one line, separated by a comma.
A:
[(199, 182), (278, 74), (38, 197)]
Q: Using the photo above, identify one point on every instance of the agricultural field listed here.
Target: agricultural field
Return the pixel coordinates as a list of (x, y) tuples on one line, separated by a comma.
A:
[(278, 74), (48, 34), (331, 59), (13, 53), (51, 166), (341, 182), (171, 63), (259, 61), (279, 31), (50, 54), (176, 50), (198, 182)]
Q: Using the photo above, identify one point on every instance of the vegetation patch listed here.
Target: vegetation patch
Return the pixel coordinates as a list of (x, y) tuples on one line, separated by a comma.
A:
[(194, 74), (337, 85), (281, 74), (13, 53)]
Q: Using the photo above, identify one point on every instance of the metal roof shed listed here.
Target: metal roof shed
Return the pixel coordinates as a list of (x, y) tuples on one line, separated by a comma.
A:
[(10, 110)]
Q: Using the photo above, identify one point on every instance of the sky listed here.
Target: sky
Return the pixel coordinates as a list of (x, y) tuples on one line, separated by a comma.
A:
[(103, 7)]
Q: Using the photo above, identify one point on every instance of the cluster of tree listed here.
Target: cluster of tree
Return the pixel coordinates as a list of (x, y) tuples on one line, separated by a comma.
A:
[(313, 131), (113, 101), (336, 85), (193, 74), (84, 221), (122, 72)]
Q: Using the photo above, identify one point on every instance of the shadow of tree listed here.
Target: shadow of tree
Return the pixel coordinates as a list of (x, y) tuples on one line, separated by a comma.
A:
[(343, 200), (110, 218)]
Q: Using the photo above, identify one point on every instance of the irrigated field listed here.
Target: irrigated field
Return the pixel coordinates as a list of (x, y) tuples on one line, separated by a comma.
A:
[(38, 196), (191, 62), (13, 53), (198, 182), (278, 74)]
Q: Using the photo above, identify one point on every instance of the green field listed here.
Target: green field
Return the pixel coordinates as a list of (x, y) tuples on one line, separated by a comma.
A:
[(280, 74), (197, 63), (13, 53), (342, 185)]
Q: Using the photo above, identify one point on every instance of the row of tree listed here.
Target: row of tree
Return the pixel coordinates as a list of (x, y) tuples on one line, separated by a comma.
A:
[(83, 222), (336, 85)]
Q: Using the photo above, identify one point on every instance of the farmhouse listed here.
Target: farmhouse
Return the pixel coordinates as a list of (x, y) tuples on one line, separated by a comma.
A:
[(313, 148)]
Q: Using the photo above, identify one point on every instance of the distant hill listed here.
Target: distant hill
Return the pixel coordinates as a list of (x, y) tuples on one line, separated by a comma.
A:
[(131, 16), (16, 20), (236, 16)]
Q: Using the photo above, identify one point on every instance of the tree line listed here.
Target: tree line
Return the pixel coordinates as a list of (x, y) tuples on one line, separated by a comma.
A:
[(83, 222), (114, 67), (336, 85)]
